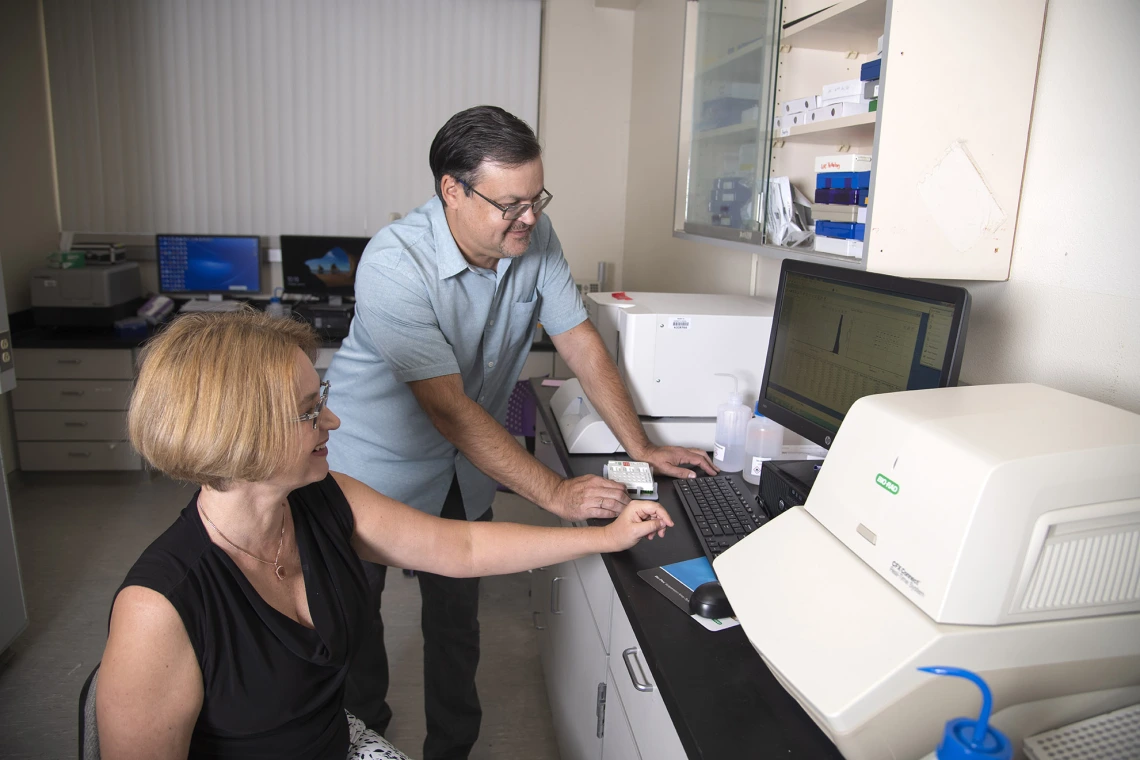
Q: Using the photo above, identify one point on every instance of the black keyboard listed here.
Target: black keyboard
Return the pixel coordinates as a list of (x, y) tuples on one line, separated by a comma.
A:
[(720, 512)]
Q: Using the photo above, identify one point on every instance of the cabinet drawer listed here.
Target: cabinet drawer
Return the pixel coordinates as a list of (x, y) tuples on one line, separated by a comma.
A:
[(82, 363), (72, 394), (71, 426), (648, 717), (115, 455)]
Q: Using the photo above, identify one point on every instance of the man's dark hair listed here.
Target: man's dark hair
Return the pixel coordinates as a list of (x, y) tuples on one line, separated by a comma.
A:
[(482, 133)]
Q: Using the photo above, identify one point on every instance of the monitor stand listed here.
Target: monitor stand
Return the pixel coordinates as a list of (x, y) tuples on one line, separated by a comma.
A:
[(213, 302)]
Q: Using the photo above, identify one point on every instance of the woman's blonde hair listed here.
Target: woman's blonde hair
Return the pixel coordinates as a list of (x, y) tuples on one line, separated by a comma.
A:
[(216, 396)]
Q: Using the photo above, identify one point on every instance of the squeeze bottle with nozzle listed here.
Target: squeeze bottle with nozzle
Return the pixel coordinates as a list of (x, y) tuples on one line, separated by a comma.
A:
[(731, 424)]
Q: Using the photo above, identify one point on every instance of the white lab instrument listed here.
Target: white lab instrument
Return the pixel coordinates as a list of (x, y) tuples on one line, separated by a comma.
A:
[(668, 348), (994, 528)]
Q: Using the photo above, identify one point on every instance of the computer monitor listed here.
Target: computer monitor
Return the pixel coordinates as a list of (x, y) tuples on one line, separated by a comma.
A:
[(320, 266), (227, 264), (841, 334)]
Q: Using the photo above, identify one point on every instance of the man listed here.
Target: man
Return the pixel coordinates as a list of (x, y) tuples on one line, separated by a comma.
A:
[(447, 303)]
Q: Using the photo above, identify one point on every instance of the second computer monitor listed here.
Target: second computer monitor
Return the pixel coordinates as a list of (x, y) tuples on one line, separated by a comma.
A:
[(228, 264), (320, 265), (841, 334)]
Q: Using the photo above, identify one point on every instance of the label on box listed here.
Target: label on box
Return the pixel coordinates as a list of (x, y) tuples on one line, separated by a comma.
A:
[(843, 89), (680, 323), (844, 162), (861, 215)]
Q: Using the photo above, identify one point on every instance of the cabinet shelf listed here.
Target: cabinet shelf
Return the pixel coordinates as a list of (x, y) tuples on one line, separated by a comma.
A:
[(745, 129), (738, 66), (845, 129), (854, 25)]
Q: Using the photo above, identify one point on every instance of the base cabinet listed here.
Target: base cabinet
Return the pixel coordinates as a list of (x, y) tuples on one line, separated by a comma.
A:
[(603, 700)]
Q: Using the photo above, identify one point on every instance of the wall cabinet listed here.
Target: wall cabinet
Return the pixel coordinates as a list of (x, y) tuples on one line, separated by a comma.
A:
[(71, 409), (947, 135)]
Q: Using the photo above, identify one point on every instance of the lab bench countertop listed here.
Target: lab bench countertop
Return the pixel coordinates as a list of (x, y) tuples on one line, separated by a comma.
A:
[(724, 701)]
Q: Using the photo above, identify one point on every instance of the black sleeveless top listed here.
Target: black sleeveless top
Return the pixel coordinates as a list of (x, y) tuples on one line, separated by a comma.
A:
[(273, 688)]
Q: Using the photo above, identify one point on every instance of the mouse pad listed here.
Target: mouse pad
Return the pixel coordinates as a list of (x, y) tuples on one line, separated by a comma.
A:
[(677, 581)]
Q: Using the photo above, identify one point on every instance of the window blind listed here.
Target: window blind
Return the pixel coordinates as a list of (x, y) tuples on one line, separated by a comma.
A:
[(270, 116)]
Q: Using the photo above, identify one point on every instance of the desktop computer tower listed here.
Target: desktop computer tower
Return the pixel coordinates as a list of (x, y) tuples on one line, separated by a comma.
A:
[(330, 321), (785, 484)]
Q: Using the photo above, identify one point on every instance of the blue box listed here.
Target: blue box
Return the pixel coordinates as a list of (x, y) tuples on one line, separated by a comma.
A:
[(841, 230), (843, 196), (843, 179), (870, 70)]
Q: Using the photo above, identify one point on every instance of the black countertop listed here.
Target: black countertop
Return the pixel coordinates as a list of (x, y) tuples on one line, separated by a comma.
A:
[(724, 702)]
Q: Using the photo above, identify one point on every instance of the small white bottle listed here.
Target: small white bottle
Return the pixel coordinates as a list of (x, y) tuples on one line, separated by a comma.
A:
[(275, 308), (731, 424), (763, 440)]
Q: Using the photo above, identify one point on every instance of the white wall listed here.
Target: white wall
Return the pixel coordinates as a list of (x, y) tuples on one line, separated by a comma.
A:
[(1069, 317), (654, 259), (584, 105)]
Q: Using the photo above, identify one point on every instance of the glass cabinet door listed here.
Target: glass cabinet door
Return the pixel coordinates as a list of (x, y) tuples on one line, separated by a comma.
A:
[(726, 137)]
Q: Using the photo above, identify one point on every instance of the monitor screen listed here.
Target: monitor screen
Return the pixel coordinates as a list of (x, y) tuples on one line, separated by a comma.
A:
[(320, 266), (841, 334), (209, 263)]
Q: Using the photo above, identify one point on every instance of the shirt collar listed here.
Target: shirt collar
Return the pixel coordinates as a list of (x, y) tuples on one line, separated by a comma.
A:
[(449, 259)]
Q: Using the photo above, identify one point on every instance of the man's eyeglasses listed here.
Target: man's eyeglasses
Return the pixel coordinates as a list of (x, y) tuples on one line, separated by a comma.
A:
[(316, 413), (513, 211)]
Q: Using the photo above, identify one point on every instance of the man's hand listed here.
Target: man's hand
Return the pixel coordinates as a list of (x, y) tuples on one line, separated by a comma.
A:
[(665, 460), (641, 519), (577, 499)]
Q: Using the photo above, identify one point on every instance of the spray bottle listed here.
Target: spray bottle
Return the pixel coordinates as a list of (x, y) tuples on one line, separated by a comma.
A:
[(970, 738), (731, 424)]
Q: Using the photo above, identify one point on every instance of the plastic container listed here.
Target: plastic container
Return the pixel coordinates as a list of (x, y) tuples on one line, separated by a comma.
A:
[(275, 308), (970, 738), (731, 424), (763, 440)]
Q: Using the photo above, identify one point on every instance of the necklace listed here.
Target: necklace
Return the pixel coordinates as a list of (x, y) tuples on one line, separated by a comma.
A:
[(278, 570)]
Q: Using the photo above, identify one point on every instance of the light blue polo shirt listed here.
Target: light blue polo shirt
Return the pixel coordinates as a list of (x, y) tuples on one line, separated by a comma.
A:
[(422, 311)]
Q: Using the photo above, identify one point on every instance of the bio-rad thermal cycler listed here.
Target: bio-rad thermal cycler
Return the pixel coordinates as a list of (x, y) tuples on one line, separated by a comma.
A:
[(994, 528), (669, 348)]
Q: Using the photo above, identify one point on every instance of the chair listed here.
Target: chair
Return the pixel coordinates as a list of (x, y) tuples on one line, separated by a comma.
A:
[(88, 729)]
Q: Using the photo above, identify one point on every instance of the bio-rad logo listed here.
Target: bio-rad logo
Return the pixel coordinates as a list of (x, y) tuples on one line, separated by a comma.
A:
[(887, 483)]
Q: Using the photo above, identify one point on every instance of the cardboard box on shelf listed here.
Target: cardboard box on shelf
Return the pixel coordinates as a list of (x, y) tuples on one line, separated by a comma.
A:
[(843, 162), (871, 89), (797, 105), (837, 110), (852, 248)]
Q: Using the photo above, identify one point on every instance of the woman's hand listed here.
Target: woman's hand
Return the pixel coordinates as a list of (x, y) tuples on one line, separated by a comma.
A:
[(639, 519)]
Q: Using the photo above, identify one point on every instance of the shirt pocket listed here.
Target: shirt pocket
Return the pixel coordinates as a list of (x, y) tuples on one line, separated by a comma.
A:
[(521, 321)]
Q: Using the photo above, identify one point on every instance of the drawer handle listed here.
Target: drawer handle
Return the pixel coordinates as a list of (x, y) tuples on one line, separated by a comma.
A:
[(75, 424), (534, 619), (555, 597), (71, 393), (640, 682), (79, 454), (544, 438), (69, 361)]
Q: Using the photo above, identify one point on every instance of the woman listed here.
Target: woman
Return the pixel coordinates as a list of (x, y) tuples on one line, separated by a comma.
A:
[(231, 635)]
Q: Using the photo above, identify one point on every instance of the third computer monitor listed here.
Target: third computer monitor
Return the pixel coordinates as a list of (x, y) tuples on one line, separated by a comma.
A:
[(228, 264), (841, 334), (320, 265)]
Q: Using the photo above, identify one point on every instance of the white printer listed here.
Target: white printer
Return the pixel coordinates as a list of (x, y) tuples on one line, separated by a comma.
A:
[(668, 348), (995, 528)]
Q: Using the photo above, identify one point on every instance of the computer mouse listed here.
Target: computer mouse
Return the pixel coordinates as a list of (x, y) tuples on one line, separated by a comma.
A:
[(708, 600)]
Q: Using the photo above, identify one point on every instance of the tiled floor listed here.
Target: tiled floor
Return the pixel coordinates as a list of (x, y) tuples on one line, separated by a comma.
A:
[(77, 535)]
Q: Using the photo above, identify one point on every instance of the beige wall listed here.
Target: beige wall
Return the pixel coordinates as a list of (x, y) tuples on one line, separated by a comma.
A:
[(584, 102), (1069, 316), (29, 220), (654, 259)]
